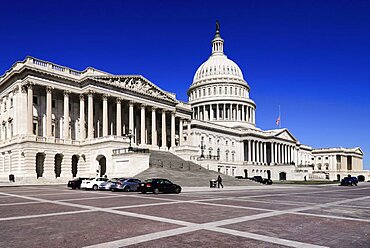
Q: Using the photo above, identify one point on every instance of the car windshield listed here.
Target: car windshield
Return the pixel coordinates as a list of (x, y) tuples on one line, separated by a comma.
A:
[(149, 180)]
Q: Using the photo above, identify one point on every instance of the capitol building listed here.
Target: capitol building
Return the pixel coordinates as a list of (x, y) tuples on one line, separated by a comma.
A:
[(58, 123)]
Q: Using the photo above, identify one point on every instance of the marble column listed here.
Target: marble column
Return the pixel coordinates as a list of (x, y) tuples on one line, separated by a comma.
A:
[(105, 115), (29, 109), (173, 132), (48, 112), (272, 154), (189, 141), (90, 115), (142, 125), (82, 117), (66, 115), (164, 134), (181, 131), (131, 116), (243, 113), (217, 112), (118, 117), (154, 127)]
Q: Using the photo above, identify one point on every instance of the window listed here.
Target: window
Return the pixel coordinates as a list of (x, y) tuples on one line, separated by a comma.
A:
[(326, 158), (232, 157), (219, 90), (319, 158), (225, 90), (5, 106), (210, 140), (11, 102), (232, 143), (35, 100), (204, 92), (209, 91), (226, 142), (214, 90)]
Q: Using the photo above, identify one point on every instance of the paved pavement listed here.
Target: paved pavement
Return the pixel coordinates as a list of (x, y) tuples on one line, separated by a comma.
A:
[(267, 216)]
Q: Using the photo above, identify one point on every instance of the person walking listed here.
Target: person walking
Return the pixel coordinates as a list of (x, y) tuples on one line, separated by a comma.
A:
[(219, 182)]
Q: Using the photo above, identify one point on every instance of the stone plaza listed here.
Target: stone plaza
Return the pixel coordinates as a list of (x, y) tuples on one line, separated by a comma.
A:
[(255, 216)]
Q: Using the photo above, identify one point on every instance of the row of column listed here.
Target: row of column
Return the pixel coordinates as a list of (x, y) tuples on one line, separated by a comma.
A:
[(279, 153), (224, 111), (90, 124)]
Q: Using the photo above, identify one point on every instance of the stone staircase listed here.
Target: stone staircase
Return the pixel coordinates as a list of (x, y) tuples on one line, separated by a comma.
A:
[(185, 173)]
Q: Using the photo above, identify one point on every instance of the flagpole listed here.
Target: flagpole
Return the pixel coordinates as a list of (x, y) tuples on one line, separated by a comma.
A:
[(280, 117)]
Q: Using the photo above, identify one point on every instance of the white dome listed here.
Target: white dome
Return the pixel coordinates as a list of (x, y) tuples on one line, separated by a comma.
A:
[(218, 65)]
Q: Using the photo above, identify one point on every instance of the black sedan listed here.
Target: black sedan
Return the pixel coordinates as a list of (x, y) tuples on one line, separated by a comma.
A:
[(159, 185), (76, 183)]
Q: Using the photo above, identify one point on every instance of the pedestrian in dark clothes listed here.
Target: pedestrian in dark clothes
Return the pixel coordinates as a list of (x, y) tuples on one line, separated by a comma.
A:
[(219, 181)]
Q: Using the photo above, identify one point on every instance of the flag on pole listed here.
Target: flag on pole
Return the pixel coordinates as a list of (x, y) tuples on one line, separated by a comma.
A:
[(278, 121)]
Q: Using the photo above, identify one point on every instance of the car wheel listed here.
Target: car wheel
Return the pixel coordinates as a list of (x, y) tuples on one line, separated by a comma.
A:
[(156, 191), (95, 187), (177, 190), (73, 187), (355, 184), (126, 189)]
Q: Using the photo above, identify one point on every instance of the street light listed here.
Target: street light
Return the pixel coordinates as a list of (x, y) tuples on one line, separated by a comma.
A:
[(202, 147), (130, 136)]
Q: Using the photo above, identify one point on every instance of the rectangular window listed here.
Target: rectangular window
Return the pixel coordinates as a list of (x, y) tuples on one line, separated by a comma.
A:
[(11, 102)]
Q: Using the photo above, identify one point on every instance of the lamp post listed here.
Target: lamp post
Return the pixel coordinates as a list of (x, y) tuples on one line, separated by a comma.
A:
[(130, 136), (202, 147)]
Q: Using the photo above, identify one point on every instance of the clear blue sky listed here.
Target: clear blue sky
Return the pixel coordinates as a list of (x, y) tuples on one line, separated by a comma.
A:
[(311, 57)]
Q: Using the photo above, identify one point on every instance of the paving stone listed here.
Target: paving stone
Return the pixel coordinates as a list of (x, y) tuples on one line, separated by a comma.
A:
[(76, 230), (205, 238), (192, 212), (33, 209), (310, 229)]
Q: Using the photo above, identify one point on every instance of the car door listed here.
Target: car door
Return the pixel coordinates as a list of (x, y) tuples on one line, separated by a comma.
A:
[(168, 186)]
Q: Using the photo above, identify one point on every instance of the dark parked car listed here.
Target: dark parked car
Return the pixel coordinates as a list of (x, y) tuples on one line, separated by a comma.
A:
[(157, 185), (76, 183), (126, 184), (267, 181), (349, 181), (258, 179)]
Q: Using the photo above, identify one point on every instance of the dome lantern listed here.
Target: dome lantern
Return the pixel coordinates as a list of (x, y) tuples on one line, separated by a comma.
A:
[(217, 42)]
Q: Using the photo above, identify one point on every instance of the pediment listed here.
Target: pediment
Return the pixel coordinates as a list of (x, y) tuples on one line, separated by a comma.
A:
[(286, 135), (137, 84)]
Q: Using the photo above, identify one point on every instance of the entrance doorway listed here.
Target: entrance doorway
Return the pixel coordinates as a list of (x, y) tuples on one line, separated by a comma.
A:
[(74, 165), (40, 158), (102, 165), (282, 176), (245, 173), (58, 164), (268, 174)]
